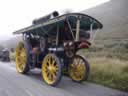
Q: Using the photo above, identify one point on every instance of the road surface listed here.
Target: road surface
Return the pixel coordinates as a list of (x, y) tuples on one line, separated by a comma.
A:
[(14, 84)]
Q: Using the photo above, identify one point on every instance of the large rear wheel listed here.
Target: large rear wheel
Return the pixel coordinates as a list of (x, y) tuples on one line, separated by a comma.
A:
[(79, 69), (51, 69), (21, 58)]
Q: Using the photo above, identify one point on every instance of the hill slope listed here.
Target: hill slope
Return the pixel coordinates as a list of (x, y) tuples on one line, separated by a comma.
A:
[(114, 16)]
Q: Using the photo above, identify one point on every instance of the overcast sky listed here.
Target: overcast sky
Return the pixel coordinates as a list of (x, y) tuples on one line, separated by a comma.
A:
[(17, 14)]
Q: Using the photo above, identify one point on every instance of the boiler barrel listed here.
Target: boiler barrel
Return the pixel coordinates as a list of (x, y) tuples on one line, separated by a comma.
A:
[(45, 18)]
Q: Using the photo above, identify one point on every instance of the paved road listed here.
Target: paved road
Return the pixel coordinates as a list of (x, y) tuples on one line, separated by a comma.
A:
[(14, 84)]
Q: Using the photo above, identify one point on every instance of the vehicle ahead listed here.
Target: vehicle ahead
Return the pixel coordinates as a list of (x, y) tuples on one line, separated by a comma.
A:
[(5, 55), (51, 44)]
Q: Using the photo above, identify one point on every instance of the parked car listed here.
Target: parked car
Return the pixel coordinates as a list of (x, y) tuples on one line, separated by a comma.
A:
[(5, 55)]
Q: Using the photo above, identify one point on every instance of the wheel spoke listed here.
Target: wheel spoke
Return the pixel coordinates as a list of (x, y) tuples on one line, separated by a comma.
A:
[(49, 60), (50, 77), (53, 62), (54, 75)]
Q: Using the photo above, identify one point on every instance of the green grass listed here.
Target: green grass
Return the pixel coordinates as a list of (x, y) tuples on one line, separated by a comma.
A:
[(109, 63), (109, 72)]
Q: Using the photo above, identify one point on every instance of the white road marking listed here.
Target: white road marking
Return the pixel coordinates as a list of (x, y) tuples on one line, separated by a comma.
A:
[(29, 93)]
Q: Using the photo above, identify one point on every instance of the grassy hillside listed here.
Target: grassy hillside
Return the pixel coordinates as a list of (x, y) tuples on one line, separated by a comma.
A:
[(108, 55)]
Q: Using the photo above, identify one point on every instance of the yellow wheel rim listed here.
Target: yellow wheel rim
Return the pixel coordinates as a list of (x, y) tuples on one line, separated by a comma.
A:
[(20, 57), (77, 69), (50, 69)]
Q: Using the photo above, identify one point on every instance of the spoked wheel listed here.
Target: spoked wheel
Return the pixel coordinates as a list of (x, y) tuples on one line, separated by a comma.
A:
[(51, 69), (21, 59), (79, 69)]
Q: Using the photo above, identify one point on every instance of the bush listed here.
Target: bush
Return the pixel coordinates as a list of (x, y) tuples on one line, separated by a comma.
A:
[(12, 56)]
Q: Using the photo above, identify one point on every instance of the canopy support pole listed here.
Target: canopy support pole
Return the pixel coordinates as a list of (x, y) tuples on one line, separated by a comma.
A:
[(93, 35), (91, 27), (70, 28), (77, 29), (57, 37)]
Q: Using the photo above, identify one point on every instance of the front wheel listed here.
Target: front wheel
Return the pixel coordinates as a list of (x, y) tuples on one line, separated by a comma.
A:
[(79, 69), (51, 69), (22, 58)]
